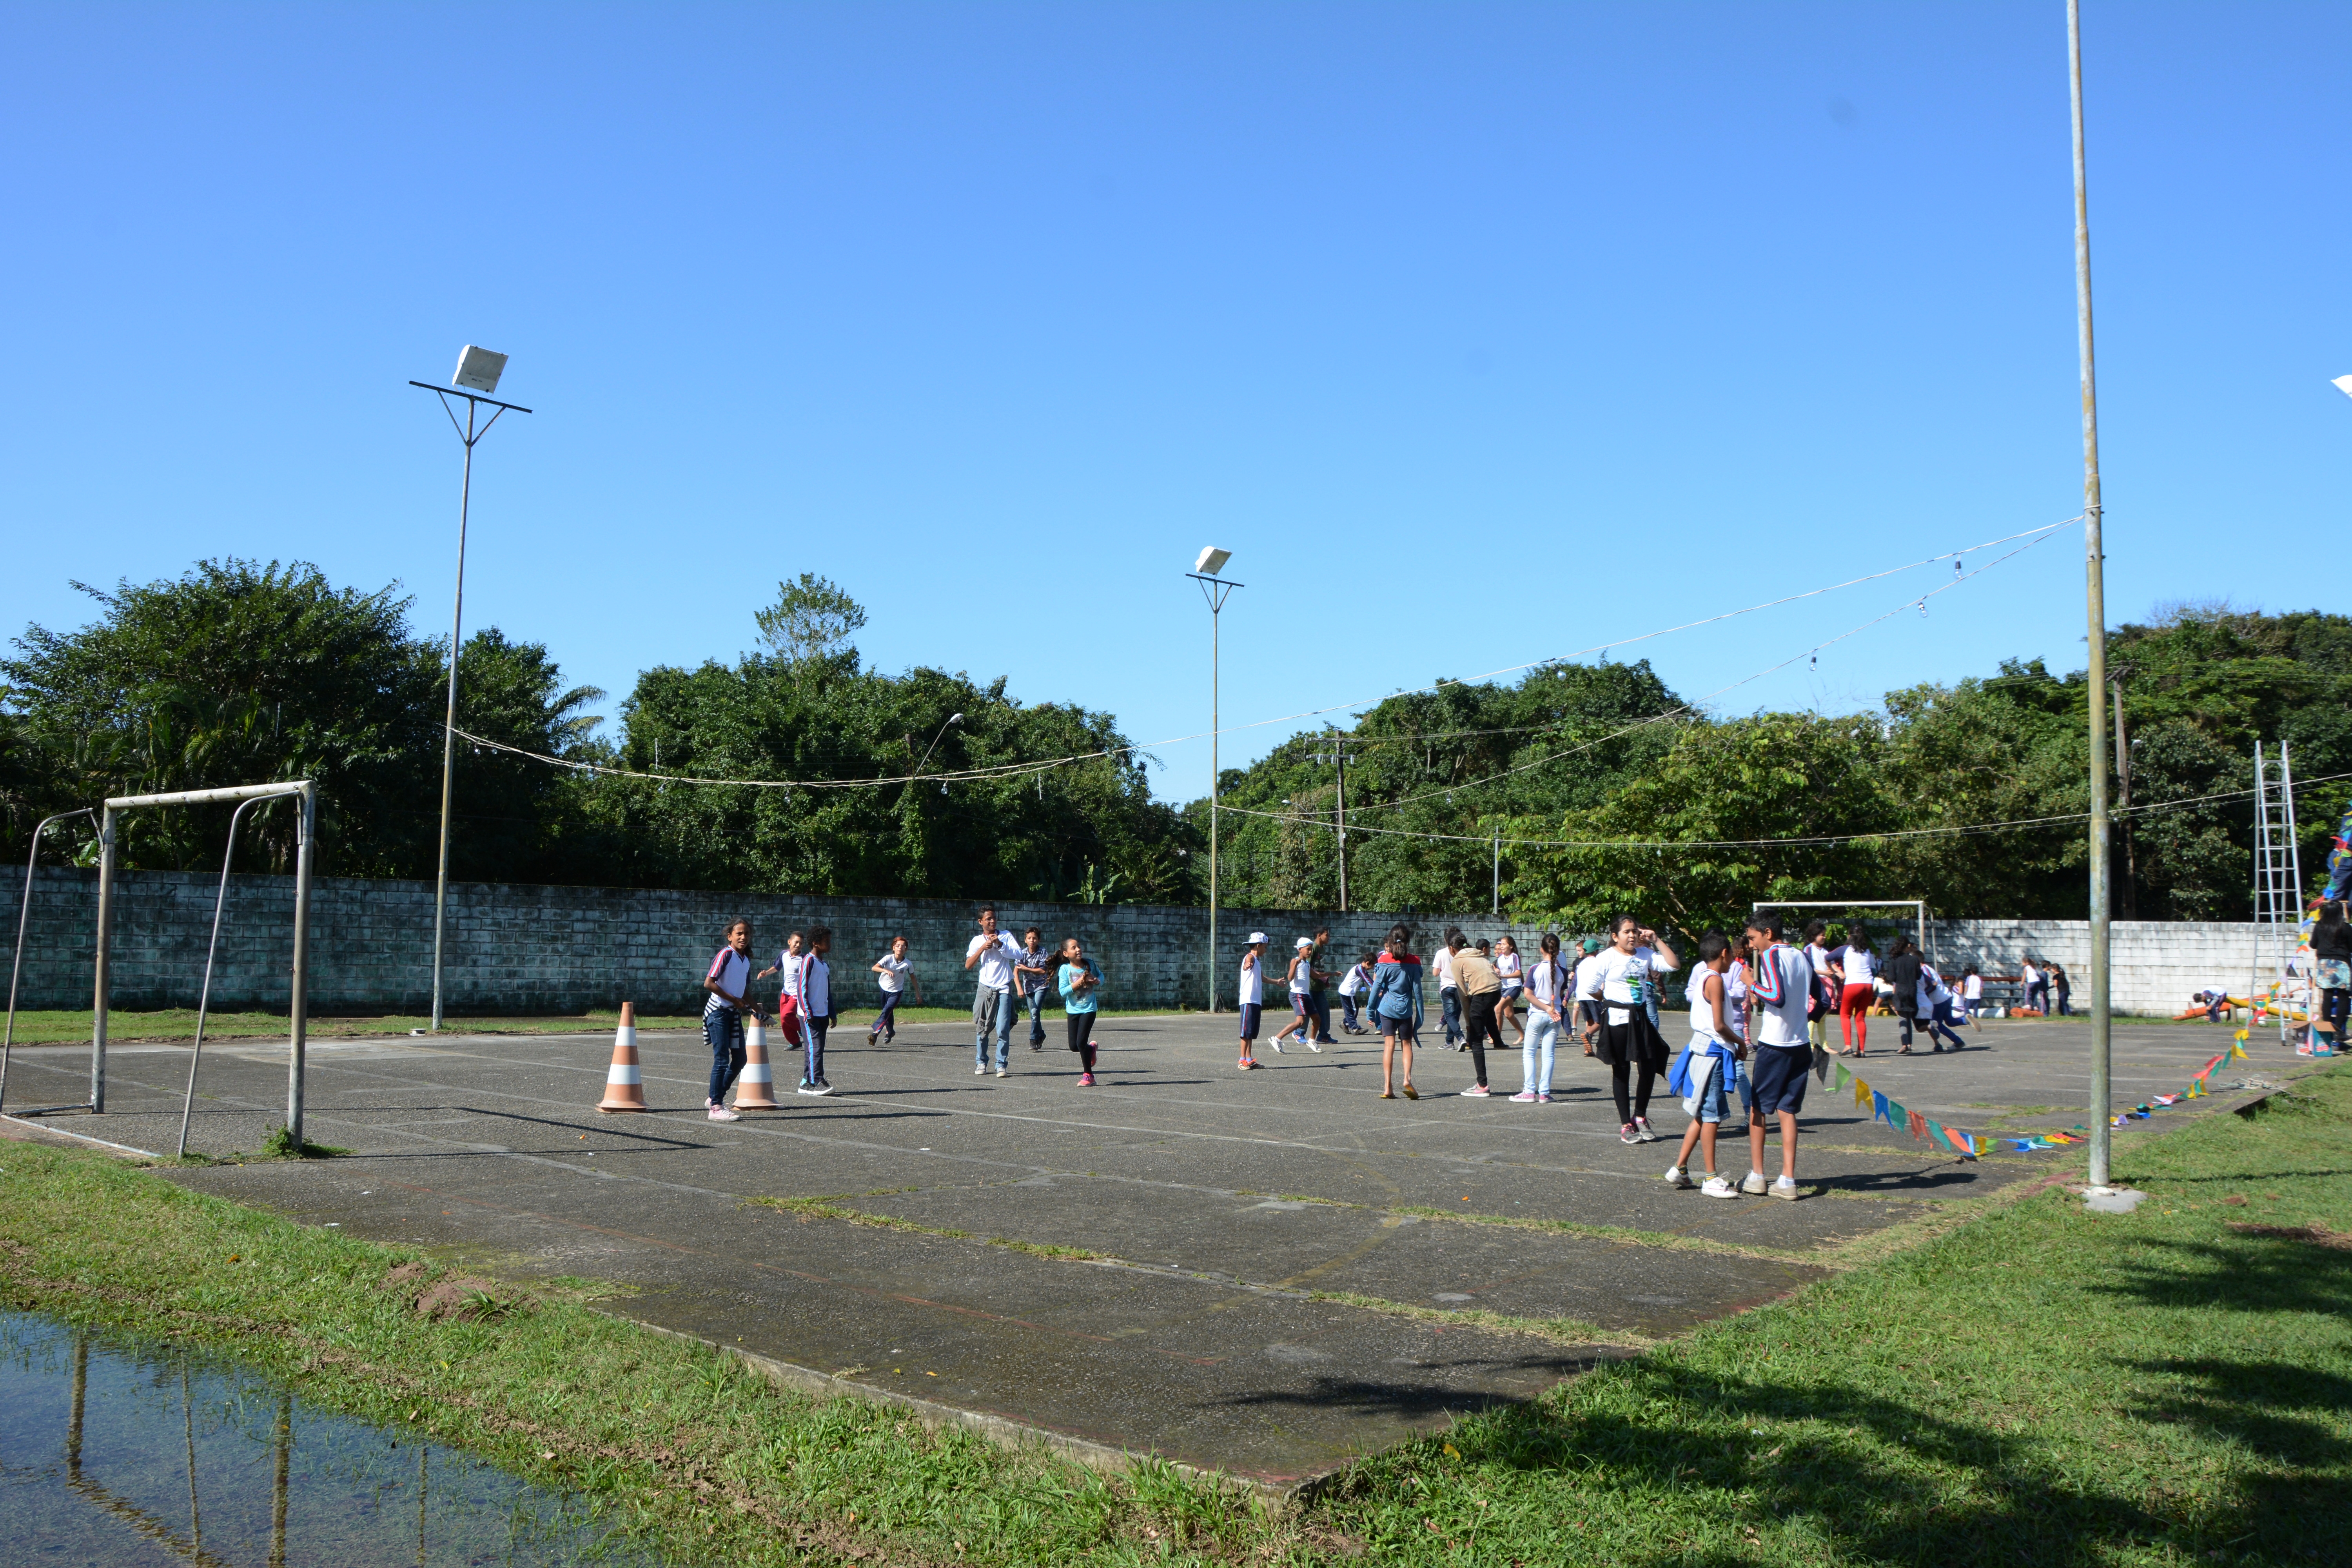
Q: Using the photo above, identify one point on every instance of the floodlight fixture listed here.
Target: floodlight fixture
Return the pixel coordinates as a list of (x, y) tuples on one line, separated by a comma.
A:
[(1212, 560), (2343, 384), (479, 369)]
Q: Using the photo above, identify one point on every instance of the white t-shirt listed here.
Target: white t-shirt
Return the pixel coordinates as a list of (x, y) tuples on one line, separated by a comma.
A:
[(1612, 976), (1302, 979), (1442, 962), (1357, 981), (1861, 967), (1508, 971), (1544, 981), (2028, 974), (813, 985), (893, 974), (1253, 979), (1973, 987), (995, 954), (1933, 992), (733, 972), (788, 965)]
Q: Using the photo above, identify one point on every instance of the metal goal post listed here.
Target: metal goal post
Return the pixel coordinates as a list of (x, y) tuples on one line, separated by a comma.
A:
[(1919, 908), (298, 1011)]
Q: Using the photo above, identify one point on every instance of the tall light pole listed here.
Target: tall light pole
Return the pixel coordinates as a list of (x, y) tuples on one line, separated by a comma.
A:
[(2097, 607), (1215, 589), (477, 374)]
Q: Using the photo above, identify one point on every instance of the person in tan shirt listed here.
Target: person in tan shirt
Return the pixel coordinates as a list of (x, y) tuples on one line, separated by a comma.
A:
[(1482, 988)]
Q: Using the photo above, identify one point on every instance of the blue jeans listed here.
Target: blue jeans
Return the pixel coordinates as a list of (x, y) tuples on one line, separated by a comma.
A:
[(1034, 1000), (1322, 1018), (1347, 1010), (885, 1022), (991, 1011), (1449, 998), (724, 1030), (1542, 1042)]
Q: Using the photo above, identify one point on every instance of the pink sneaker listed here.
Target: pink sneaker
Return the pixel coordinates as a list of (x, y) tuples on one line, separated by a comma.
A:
[(1086, 1081), (1525, 1097), (1476, 1092)]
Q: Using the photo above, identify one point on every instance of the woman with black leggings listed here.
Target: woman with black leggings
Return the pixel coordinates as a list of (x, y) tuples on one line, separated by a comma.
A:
[(2331, 953), (1619, 982)]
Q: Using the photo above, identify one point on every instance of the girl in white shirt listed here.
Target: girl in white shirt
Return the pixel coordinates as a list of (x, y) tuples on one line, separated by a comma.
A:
[(897, 974), (1619, 978), (1508, 970), (1861, 967)]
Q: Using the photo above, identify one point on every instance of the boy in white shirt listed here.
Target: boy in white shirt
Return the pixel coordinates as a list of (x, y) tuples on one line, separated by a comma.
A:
[(993, 999), (1251, 997)]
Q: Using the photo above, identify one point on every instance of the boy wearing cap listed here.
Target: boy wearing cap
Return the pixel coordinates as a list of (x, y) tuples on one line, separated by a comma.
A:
[(1253, 995)]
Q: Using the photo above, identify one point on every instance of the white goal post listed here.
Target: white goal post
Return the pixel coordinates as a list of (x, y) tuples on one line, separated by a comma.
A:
[(298, 1011)]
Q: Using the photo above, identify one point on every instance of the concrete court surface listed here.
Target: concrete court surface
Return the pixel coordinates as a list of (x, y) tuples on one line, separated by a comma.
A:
[(1254, 1232)]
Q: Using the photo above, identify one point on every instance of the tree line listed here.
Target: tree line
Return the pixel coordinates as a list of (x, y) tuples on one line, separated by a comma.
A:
[(236, 672)]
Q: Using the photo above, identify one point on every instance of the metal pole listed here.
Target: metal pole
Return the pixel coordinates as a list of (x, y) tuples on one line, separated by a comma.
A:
[(1216, 617), (24, 917), (1498, 870), (98, 1000), (1341, 749), (298, 1003), (2096, 609), (449, 730), (204, 996)]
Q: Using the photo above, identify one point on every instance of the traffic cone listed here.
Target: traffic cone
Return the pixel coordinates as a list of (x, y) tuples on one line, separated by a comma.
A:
[(624, 1085), (754, 1086)]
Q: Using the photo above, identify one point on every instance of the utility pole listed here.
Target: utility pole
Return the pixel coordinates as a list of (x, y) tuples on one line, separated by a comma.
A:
[(1498, 870), (2095, 594), (1338, 755), (2130, 900)]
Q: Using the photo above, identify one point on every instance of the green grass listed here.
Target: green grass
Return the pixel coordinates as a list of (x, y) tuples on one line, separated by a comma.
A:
[(2028, 1384)]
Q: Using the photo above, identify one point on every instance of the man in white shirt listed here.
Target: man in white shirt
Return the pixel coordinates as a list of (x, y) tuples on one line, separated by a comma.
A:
[(993, 1000)]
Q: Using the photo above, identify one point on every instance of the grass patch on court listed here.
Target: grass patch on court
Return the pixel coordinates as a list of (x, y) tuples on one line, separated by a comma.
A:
[(2031, 1383)]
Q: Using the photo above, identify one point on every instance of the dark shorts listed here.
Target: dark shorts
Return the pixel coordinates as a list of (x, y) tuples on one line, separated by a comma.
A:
[(1250, 1011), (1302, 1003), (1779, 1074)]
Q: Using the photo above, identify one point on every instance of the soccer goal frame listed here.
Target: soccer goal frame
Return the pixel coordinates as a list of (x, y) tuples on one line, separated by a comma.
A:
[(1919, 908), (298, 1021)]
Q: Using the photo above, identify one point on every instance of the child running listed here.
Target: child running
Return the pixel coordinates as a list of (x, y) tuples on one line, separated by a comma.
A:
[(1935, 1007), (1547, 994), (788, 995), (1708, 1066), (1080, 982), (897, 975), (1971, 995), (727, 998), (1396, 1007), (1302, 997), (1357, 982), (1619, 980), (1253, 997), (1508, 970)]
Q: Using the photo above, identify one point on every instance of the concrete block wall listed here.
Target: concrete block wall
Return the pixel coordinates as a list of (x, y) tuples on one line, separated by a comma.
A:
[(516, 948), (527, 949), (2158, 964)]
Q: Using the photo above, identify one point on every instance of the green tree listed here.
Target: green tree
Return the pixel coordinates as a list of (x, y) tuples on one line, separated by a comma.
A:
[(812, 618)]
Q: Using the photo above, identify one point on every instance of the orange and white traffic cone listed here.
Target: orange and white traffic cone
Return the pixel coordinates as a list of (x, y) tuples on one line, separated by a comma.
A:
[(755, 1085), (624, 1083)]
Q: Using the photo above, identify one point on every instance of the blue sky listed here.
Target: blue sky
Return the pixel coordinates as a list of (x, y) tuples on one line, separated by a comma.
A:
[(1479, 332)]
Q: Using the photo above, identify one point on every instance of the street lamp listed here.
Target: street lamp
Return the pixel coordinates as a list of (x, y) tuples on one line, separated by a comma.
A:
[(1215, 589), (478, 374)]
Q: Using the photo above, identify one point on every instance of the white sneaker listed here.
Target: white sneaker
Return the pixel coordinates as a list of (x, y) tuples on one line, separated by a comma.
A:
[(1785, 1188), (1316, 1048), (1717, 1187), (1001, 1072), (721, 1113), (1276, 1043), (978, 1069), (1677, 1178), (1642, 1127), (1754, 1184)]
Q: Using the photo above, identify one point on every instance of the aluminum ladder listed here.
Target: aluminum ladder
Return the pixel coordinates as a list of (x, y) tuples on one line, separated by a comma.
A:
[(2278, 893)]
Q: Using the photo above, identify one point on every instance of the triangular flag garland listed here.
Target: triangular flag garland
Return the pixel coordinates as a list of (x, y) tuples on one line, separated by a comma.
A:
[(1928, 1130)]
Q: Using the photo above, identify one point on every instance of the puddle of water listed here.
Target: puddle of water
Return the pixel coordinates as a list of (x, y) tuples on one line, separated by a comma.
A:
[(118, 1456)]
